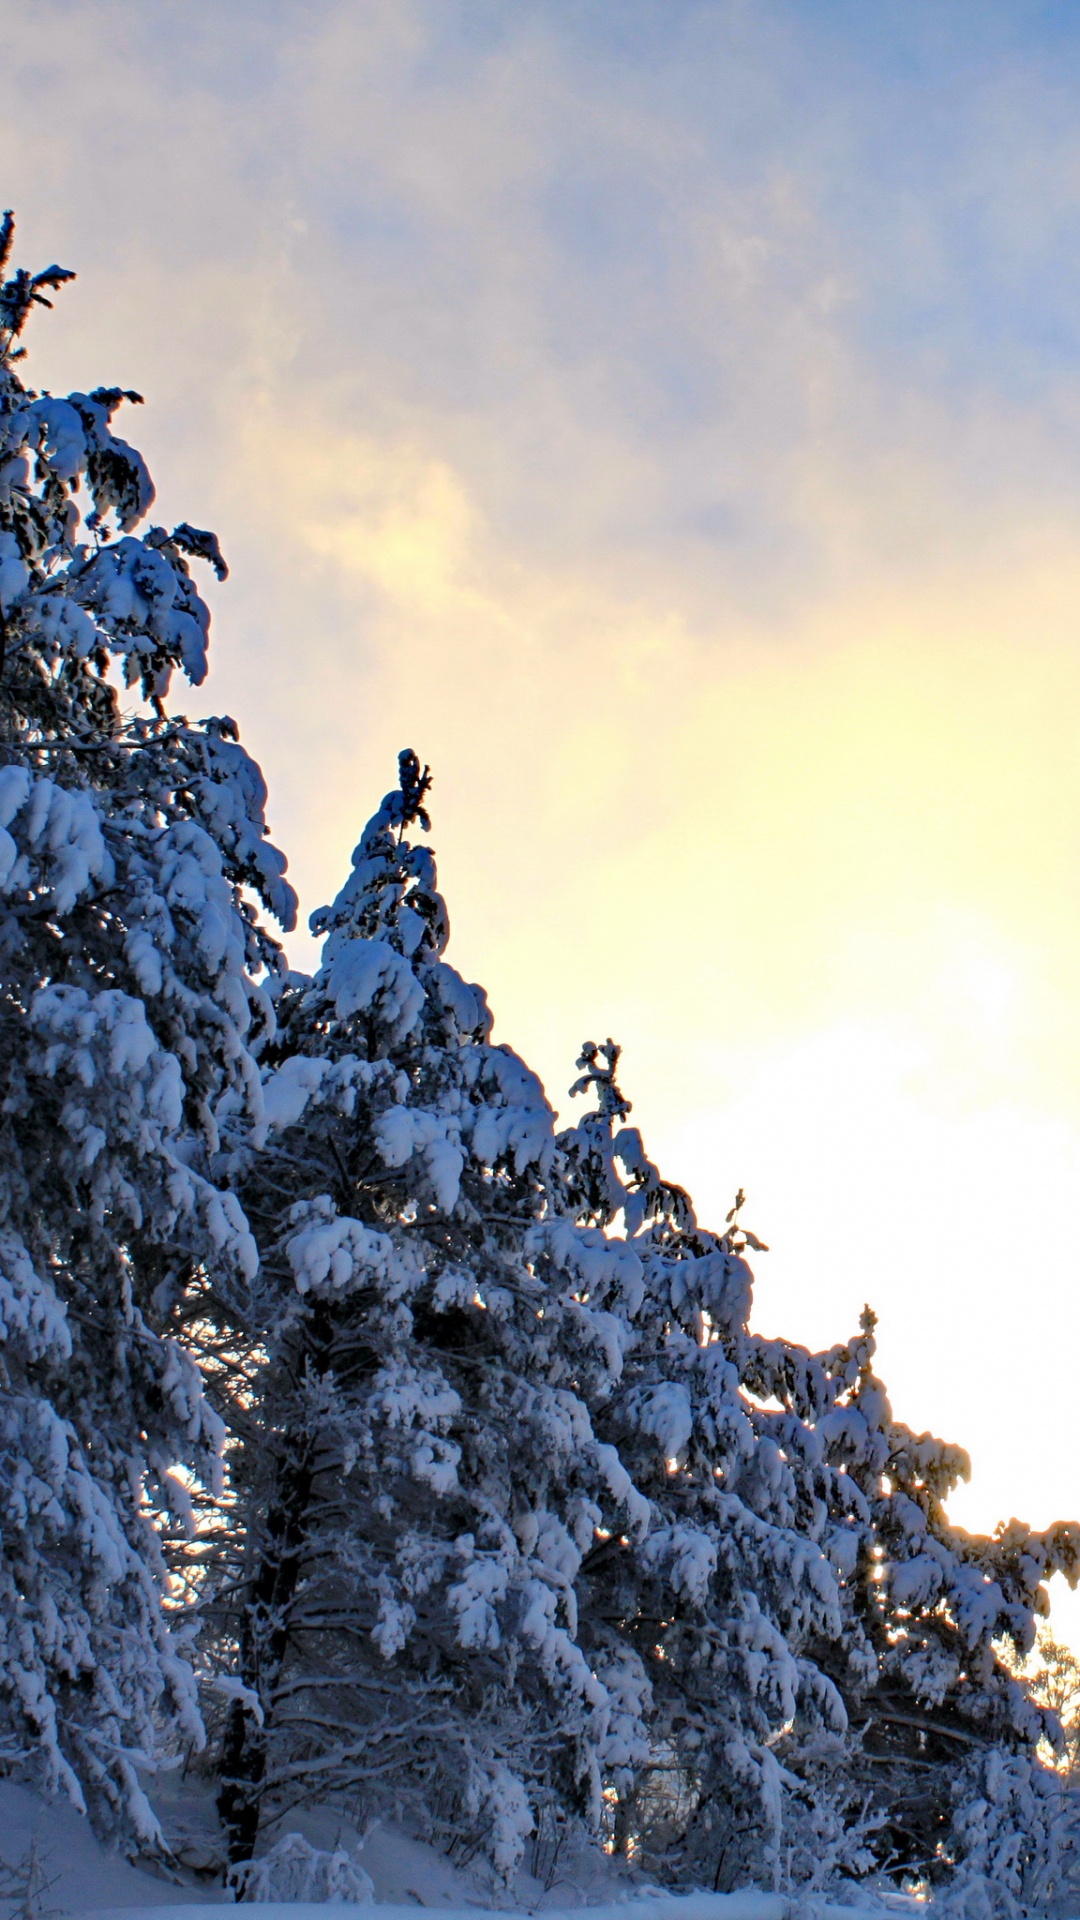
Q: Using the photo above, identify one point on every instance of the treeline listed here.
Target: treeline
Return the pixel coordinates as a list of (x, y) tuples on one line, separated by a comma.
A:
[(361, 1430)]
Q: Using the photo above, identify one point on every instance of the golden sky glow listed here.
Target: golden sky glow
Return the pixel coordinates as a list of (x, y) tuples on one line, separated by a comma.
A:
[(675, 441)]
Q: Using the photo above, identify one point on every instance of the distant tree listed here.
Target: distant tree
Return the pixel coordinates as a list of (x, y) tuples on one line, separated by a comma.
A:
[(1051, 1674), (130, 1006)]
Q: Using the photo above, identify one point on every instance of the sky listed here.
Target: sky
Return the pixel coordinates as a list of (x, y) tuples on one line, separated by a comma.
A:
[(665, 417)]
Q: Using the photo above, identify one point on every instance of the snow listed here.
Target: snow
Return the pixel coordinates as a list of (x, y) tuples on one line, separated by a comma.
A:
[(287, 1091), (85, 1874), (401, 1132), (81, 1876), (368, 970), (331, 1253), (750, 1905)]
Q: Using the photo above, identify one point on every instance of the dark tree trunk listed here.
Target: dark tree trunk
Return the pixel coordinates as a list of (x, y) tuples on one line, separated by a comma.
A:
[(264, 1644), (266, 1631)]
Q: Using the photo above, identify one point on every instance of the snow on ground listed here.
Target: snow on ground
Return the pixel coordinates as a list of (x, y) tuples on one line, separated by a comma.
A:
[(702, 1906), (76, 1870), (78, 1876)]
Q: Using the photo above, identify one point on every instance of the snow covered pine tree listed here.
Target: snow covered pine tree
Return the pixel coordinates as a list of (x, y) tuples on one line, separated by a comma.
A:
[(822, 1649), (128, 1006), (535, 1524), (936, 1622), (722, 1603), (424, 1481)]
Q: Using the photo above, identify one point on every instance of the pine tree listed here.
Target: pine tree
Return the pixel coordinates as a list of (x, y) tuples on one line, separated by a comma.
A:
[(130, 1007), (536, 1527), (424, 1481), (948, 1732), (826, 1655), (738, 1577)]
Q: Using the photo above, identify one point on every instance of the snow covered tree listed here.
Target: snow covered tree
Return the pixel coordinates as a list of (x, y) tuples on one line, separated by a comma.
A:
[(949, 1733), (130, 1006), (424, 1481), (535, 1526), (824, 1651), (738, 1578)]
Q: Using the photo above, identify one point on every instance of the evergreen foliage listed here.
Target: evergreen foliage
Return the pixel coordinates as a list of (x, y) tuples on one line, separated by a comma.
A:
[(527, 1532), (425, 1480), (128, 1006), (765, 1652), (832, 1664)]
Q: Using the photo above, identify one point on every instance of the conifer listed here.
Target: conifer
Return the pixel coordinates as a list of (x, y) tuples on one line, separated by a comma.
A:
[(424, 1480), (831, 1664), (130, 1004)]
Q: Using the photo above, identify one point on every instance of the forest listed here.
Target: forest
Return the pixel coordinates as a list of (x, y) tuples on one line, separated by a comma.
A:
[(371, 1440)]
